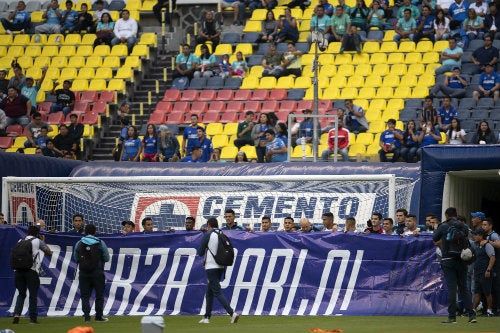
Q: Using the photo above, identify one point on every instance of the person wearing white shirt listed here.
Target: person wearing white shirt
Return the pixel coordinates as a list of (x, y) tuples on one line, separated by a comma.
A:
[(125, 31), (480, 7), (444, 5)]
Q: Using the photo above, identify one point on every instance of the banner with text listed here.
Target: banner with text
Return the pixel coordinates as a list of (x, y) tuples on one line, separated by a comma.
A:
[(276, 273)]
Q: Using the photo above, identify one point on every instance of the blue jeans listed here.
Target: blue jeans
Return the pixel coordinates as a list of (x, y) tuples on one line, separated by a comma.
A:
[(326, 154), (59, 107), (22, 120), (444, 69), (27, 280), (130, 43), (214, 290), (455, 275), (409, 154)]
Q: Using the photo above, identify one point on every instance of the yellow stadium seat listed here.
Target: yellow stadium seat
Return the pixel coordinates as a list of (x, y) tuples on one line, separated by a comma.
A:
[(323, 139), (88, 131), (308, 12), (245, 48), (389, 37), (135, 14), (323, 82), (6, 63), (133, 5), (259, 14), (85, 73), (331, 92), (361, 101), (25, 61), (326, 59), (253, 26), (115, 15), (372, 151), (67, 50), (80, 85), (430, 58), (413, 58), (416, 69), (377, 126), (214, 129), (420, 92), (398, 69), (59, 62), (371, 47), (343, 59), (140, 51), (16, 51), (390, 80), (94, 61), (349, 93), (402, 92), (285, 82), (101, 50), (356, 150), (367, 92), (309, 95), (73, 39), (364, 138), (268, 82), (339, 80), (396, 58), (37, 16), (117, 85), (256, 71), (440, 45), (106, 73), (424, 46), (380, 70), (384, 92), (19, 142), (125, 73), (88, 39), (355, 81), (361, 58), (363, 70), (299, 152), (443, 138), (396, 104), (308, 70), (133, 62), (278, 11), (231, 140), (249, 151), (50, 51), (400, 125), (303, 36), (6, 39), (377, 104), (3, 50), (250, 82), (352, 138), (378, 58), (228, 153), (373, 115), (52, 73), (388, 46), (55, 39), (219, 141), (345, 70), (21, 40), (147, 5), (374, 81), (408, 80), (302, 82), (230, 129), (68, 73), (84, 51), (390, 114), (406, 46), (326, 70), (46, 85), (119, 50), (76, 62), (34, 72), (431, 68), (426, 80), (111, 62), (304, 25)]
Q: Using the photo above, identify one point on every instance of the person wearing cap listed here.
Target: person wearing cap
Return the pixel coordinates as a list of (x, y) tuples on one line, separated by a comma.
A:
[(483, 270), (128, 227), (276, 150), (453, 85), (18, 20), (168, 146), (477, 219), (244, 132), (195, 156), (17, 107), (34, 128), (205, 144), (390, 142), (488, 85), (65, 98)]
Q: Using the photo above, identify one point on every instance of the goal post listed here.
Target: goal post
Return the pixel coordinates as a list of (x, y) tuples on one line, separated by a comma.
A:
[(107, 201)]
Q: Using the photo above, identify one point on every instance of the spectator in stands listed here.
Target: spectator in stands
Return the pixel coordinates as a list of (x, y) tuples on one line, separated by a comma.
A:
[(205, 144), (63, 142), (185, 63), (342, 142), (38, 151), (480, 7), (225, 68), (207, 64), (305, 134), (75, 130), (458, 14), (99, 11), (269, 28), (3, 123), (41, 140), (34, 128), (441, 25), (319, 26), (104, 30), (168, 146), (157, 10), (125, 31), (128, 227), (69, 18), (453, 85), (443, 5), (150, 144), (209, 31), (235, 4), (451, 57), (240, 66), (281, 132), (484, 134), (486, 54), (359, 14), (49, 149), (390, 142), (215, 157), (276, 150), (18, 20), (410, 142), (190, 136), (373, 225), (375, 18), (327, 7), (429, 113), (18, 79), (132, 146), (355, 120), (489, 84), (387, 226), (425, 25), (241, 157), (473, 27), (84, 21), (351, 41), (492, 21), (17, 108), (455, 135), (30, 90), (258, 134), (446, 113), (65, 98), (53, 16), (428, 136), (287, 27), (407, 4), (411, 228), (340, 24), (272, 62), (406, 27), (4, 83), (401, 214), (292, 61), (244, 133)]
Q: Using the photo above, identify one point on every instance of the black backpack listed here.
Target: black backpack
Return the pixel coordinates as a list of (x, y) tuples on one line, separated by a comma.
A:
[(21, 257), (457, 238), (225, 250), (89, 256)]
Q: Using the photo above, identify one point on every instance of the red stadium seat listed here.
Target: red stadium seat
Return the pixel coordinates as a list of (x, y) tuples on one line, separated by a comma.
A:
[(99, 107), (252, 106), (163, 107), (90, 96), (269, 106), (207, 95), (181, 107), (81, 106), (229, 117), (44, 106), (260, 95), (234, 106), (242, 95), (189, 95), (304, 104), (157, 118), (78, 96), (218, 106), (224, 95), (90, 118), (108, 96), (324, 106), (199, 106), (277, 94), (6, 142), (288, 105), (56, 118), (14, 130), (283, 116), (176, 118), (211, 117), (172, 95)]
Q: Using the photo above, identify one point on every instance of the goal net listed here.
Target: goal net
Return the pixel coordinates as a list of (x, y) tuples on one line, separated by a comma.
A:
[(107, 201)]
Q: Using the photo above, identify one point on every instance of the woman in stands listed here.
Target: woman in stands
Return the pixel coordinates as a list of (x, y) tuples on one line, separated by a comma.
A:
[(428, 136), (442, 26), (132, 146), (288, 28), (410, 142), (455, 135), (239, 66), (241, 157), (484, 134), (150, 144), (473, 26), (104, 30), (207, 64), (269, 27), (281, 132), (168, 146), (259, 137)]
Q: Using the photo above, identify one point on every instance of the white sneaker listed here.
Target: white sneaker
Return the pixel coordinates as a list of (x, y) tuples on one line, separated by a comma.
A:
[(204, 321), (234, 318), (8, 32)]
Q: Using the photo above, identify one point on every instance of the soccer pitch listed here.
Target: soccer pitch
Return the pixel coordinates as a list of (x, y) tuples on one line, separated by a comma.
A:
[(261, 324)]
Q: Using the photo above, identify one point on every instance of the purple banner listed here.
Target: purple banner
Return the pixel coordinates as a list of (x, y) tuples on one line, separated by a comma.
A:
[(275, 273)]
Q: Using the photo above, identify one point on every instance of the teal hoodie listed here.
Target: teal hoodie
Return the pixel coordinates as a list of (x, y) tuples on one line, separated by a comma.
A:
[(91, 240)]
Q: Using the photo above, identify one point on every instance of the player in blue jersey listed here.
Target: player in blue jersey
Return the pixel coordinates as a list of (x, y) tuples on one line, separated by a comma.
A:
[(190, 136), (205, 144)]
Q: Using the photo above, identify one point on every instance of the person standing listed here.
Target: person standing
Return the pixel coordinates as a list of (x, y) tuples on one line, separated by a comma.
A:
[(209, 246), (90, 254), (28, 279), (454, 269)]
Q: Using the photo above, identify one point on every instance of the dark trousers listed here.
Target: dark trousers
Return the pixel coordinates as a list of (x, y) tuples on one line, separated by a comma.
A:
[(455, 275), (261, 153), (157, 11), (214, 290), (8, 25), (88, 282), (395, 157), (242, 142), (27, 280)]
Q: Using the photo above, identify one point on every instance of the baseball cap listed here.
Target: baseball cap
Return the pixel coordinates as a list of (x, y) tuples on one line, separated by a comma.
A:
[(479, 231), (130, 223), (163, 128), (481, 215)]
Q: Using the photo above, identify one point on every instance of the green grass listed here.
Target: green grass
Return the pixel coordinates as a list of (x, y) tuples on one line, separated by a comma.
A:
[(261, 324)]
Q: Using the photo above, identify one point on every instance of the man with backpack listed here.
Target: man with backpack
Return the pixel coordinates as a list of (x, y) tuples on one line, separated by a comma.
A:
[(451, 237), (26, 262), (216, 254), (90, 254)]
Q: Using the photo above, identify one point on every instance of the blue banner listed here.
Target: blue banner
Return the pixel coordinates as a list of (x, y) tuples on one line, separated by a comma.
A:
[(320, 273)]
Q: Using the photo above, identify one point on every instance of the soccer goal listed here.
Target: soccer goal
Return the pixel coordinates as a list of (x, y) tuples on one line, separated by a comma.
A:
[(107, 201)]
